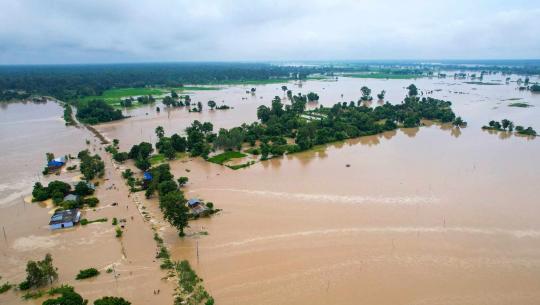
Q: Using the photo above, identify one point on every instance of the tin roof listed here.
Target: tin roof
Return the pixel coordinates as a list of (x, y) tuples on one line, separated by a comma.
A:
[(65, 216)]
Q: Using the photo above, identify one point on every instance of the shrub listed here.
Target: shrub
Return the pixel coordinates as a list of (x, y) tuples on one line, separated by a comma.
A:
[(91, 202), (24, 285), (111, 301), (82, 188), (114, 221), (5, 287), (119, 232), (87, 273)]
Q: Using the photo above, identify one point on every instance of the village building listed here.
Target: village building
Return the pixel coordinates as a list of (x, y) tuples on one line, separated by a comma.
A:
[(56, 163), (196, 206), (64, 219), (147, 178), (71, 197)]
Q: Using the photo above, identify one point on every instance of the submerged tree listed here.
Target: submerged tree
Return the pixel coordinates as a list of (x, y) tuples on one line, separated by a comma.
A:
[(39, 273), (413, 91), (366, 93), (381, 95), (173, 205)]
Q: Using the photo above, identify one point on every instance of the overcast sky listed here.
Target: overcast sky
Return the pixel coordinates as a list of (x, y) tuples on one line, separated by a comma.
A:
[(104, 31)]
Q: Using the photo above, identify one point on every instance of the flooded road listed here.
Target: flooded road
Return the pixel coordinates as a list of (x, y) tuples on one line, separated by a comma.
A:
[(430, 215)]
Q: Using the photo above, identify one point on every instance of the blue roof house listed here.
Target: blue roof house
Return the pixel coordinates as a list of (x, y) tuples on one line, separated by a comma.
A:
[(64, 219), (57, 162)]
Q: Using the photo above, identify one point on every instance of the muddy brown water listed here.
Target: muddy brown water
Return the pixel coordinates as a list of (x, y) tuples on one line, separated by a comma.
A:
[(431, 215)]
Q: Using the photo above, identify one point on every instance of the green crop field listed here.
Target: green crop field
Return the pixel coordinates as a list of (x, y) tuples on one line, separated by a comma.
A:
[(113, 96)]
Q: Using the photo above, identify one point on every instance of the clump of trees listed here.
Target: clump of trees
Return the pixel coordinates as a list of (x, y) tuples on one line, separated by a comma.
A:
[(199, 137), (39, 273), (366, 94), (97, 111), (279, 122), (56, 190), (171, 199), (507, 125), (535, 88), (91, 165), (312, 96)]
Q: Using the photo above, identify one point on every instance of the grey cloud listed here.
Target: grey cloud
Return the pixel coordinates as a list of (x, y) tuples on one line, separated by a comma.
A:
[(64, 31)]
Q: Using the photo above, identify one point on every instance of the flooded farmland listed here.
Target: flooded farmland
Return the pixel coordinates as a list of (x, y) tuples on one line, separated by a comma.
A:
[(429, 215)]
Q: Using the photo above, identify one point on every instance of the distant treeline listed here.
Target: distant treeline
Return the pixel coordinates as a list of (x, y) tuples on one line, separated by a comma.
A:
[(72, 82)]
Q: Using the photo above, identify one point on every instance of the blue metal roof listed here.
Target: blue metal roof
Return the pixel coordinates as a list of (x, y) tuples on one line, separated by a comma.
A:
[(147, 176)]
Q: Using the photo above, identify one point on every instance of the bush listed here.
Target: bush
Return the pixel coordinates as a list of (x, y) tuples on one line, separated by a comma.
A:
[(83, 189), (111, 301), (87, 273), (24, 285), (119, 232), (5, 287), (91, 202), (114, 221)]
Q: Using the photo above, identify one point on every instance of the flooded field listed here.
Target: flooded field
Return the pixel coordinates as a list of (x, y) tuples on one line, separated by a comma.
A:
[(430, 215)]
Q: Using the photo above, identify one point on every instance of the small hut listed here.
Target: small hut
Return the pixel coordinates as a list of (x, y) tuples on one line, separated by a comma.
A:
[(196, 206)]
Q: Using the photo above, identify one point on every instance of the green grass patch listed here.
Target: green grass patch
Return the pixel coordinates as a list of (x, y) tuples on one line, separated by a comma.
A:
[(380, 75), (521, 105), (87, 273), (226, 156), (85, 221), (113, 96), (159, 158), (239, 166)]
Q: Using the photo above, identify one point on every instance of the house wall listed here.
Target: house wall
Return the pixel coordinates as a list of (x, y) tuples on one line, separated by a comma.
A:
[(59, 225)]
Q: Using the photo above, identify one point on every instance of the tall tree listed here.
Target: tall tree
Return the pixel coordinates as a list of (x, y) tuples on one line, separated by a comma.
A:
[(173, 205), (413, 91), (160, 132)]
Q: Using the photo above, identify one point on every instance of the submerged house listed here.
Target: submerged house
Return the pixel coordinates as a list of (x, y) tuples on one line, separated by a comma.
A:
[(196, 206), (64, 219), (56, 163)]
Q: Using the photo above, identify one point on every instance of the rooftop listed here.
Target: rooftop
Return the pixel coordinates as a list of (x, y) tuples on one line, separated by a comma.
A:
[(65, 216), (71, 197), (193, 201)]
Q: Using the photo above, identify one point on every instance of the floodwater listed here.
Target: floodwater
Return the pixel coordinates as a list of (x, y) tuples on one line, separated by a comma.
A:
[(430, 215)]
